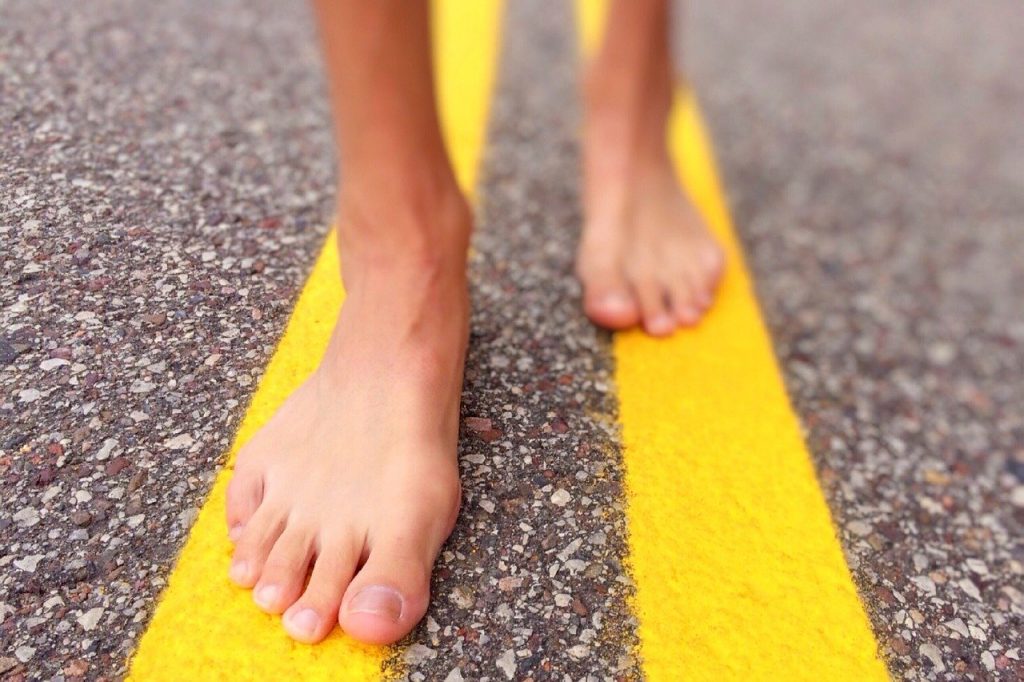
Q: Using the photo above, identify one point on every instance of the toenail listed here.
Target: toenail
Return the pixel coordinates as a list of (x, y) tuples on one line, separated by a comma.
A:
[(688, 315), (615, 299), (235, 533), (239, 571), (662, 324), (378, 600), (266, 596), (303, 623)]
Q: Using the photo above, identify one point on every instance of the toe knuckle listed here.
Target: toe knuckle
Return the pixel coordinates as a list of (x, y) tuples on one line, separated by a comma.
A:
[(245, 461), (276, 567)]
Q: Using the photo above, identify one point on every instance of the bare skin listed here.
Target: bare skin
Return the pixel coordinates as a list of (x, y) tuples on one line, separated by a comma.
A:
[(645, 257), (355, 478), (340, 504), (354, 481)]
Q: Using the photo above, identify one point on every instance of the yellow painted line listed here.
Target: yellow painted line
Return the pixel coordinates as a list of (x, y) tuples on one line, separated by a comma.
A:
[(204, 627), (739, 574)]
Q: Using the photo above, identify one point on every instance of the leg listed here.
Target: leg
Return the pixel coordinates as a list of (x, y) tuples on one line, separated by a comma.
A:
[(645, 255), (354, 481)]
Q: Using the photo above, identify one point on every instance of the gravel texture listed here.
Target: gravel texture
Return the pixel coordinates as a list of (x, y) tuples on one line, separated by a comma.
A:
[(531, 584), (874, 154), (165, 181)]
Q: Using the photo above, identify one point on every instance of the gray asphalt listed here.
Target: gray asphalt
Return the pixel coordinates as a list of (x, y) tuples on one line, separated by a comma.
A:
[(166, 181), (874, 153)]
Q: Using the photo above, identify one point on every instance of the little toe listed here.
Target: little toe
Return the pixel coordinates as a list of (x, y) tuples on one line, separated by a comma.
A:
[(285, 570), (253, 546), (315, 614), (713, 262), (389, 595), (705, 285), (244, 494), (690, 297)]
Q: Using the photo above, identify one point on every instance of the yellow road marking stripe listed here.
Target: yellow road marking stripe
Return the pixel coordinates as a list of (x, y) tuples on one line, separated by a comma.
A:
[(204, 628), (739, 574)]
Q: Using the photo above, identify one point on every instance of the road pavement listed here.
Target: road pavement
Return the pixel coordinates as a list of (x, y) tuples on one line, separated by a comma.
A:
[(166, 182)]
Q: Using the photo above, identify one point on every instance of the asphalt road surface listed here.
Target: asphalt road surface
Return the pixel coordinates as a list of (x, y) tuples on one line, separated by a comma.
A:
[(166, 181)]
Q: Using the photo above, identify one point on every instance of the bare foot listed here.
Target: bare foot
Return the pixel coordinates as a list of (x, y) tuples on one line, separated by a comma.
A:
[(645, 256), (340, 504), (652, 262)]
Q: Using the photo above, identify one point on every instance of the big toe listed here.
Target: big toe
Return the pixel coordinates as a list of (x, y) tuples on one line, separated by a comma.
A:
[(389, 595), (610, 304)]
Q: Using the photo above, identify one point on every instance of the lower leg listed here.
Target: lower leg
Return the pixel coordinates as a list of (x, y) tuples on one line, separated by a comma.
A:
[(389, 143), (645, 256), (354, 482)]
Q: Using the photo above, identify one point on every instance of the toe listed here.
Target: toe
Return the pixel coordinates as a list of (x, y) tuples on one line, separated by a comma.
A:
[(686, 303), (613, 308), (706, 275), (713, 262), (654, 308), (389, 595), (245, 491), (285, 570), (254, 544), (315, 614), (608, 300)]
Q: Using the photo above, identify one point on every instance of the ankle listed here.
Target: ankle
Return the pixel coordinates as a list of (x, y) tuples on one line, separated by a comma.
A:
[(624, 117), (423, 223), (623, 140)]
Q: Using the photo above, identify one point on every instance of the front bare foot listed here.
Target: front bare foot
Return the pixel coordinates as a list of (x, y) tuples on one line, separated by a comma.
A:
[(340, 504)]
